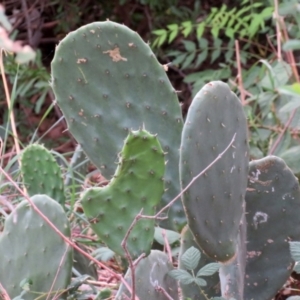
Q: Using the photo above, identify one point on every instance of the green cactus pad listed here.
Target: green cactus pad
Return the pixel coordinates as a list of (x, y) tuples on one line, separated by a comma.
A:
[(31, 251), (107, 81), (137, 184), (41, 173), (272, 212), (192, 291), (150, 273), (214, 203)]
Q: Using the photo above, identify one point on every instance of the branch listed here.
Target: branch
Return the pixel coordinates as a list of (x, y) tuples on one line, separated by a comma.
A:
[(127, 254), (164, 292)]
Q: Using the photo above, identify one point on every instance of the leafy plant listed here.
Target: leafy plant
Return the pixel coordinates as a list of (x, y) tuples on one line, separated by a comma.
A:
[(191, 260), (243, 22), (32, 82)]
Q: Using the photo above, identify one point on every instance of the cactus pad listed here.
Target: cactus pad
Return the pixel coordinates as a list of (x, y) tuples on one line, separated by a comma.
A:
[(137, 184), (214, 203), (272, 211), (107, 81), (41, 173), (32, 251), (150, 273)]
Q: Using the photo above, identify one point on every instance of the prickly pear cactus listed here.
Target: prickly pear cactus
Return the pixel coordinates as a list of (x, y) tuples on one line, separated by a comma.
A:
[(192, 291), (41, 173), (273, 209), (151, 273), (137, 184), (31, 251), (107, 81), (214, 203)]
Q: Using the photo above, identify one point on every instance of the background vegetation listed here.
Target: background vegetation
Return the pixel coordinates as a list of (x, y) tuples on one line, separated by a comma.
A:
[(252, 44)]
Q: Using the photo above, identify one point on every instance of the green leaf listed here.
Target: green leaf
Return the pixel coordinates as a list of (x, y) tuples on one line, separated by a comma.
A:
[(191, 258), (162, 39), (171, 236), (155, 42), (200, 30), (179, 59), (292, 158), (201, 58), (203, 43), (212, 14), (278, 75), (187, 28), (290, 90), (25, 284), (174, 53), (188, 61), (103, 254), (189, 46), (242, 11), (183, 276), (159, 32), (229, 33), (174, 28), (215, 31), (257, 20), (162, 36), (208, 269), (293, 104), (267, 12), (216, 53), (200, 282)]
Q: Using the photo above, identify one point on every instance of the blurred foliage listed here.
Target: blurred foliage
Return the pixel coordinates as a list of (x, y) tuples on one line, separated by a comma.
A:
[(197, 38)]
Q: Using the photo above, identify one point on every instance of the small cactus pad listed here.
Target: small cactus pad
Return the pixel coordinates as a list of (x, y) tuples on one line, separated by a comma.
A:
[(31, 251), (137, 184), (192, 291), (214, 203), (41, 173), (272, 212), (151, 273), (107, 81)]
